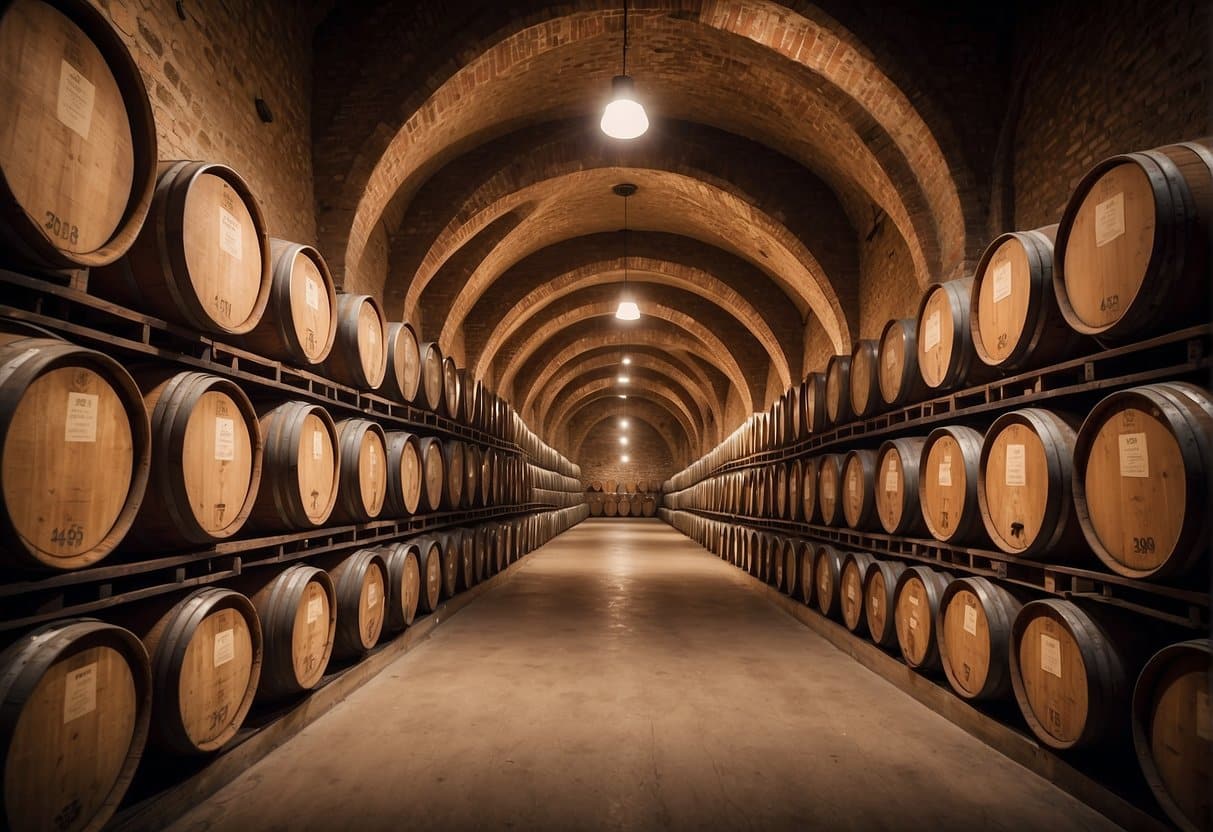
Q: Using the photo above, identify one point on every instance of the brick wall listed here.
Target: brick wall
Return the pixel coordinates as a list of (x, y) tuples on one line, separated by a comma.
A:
[(887, 285), (649, 456), (202, 75)]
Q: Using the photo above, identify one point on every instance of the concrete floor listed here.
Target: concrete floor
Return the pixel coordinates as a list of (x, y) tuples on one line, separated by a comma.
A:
[(624, 680)]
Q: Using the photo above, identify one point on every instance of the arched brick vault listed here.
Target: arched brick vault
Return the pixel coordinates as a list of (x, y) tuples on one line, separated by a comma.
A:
[(580, 203), (590, 365), (599, 414), (597, 402), (804, 86), (604, 378), (561, 267), (642, 388), (549, 339)]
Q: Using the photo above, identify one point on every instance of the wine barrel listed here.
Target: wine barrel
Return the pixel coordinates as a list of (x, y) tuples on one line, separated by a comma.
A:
[(206, 657), (827, 569), (1013, 314), (452, 392), (813, 403), (596, 505), (648, 506), (203, 258), (450, 556), (859, 489), (360, 350), (1143, 460), (975, 637), (470, 391), (452, 464), (897, 504), (624, 509), (404, 474), (611, 486), (402, 379), (879, 593), (403, 584), (1024, 486), (595, 485), (946, 356), (850, 590), (865, 379), (429, 561), (433, 470), (829, 486), (947, 485), (810, 472), (838, 390), (791, 566), (635, 501), (916, 615), (473, 496), (610, 505), (74, 453), (75, 703), (206, 460), (480, 553), (467, 559), (900, 380), (431, 396), (363, 471), (1172, 733), (806, 555), (299, 472), (298, 613), (299, 323), (360, 585), (1073, 670), (78, 153), (1133, 245)]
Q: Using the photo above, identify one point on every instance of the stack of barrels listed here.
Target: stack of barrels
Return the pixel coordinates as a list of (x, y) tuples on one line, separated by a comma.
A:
[(1112, 478), (151, 457), (614, 498)]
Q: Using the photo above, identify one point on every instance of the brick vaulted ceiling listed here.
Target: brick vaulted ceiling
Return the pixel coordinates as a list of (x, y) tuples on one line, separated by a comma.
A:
[(462, 178)]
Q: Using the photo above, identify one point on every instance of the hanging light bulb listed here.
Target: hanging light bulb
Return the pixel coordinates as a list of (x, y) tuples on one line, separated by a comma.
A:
[(624, 117), (623, 440), (627, 360), (623, 379), (624, 458), (623, 423), (627, 310)]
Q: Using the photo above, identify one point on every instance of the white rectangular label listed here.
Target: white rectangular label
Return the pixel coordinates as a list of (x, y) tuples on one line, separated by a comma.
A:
[(1203, 728), (1002, 281), (317, 444), (851, 592), (892, 482), (225, 647), (75, 104), (80, 692), (225, 439), (231, 239), (311, 293), (81, 424), (970, 619), (930, 336), (374, 455), (1016, 473), (1134, 455), (912, 598), (945, 473), (1109, 219), (315, 606), (372, 595), (1050, 655)]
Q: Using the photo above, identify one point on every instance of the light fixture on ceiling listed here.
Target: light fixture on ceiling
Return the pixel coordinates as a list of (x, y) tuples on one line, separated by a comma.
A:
[(623, 440), (623, 379), (628, 310), (623, 423), (624, 458), (624, 117), (623, 395), (627, 360)]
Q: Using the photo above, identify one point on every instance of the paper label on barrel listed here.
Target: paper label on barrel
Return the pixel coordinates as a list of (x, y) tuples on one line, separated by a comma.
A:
[(315, 608), (852, 486), (930, 338), (1016, 473), (1002, 281), (311, 293), (74, 107), (1203, 728), (1109, 219), (1050, 655), (81, 423), (945, 473), (850, 592), (891, 481), (80, 692), (913, 622), (912, 597), (231, 238), (225, 439), (225, 647), (1134, 455), (317, 444), (372, 595), (970, 619), (374, 456), (889, 358)]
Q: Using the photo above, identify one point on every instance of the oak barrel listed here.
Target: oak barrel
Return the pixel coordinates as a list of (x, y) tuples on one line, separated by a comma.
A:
[(300, 320), (827, 569), (75, 447), (361, 588), (879, 594), (916, 615), (360, 349), (403, 375), (1133, 245), (450, 556), (838, 390), (1024, 485), (433, 474), (974, 635), (429, 561), (202, 259), (791, 566), (806, 556), (829, 486), (1172, 732), (859, 489), (1143, 461), (850, 590), (75, 703), (473, 464), (298, 613), (452, 391), (452, 462), (362, 471), (404, 584), (946, 356), (947, 484), (813, 403), (1013, 314), (299, 471), (206, 460), (810, 472), (897, 505), (900, 380), (431, 395), (404, 474), (865, 379)]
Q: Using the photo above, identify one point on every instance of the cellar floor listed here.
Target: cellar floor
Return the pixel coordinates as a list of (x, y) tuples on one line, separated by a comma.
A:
[(623, 680)]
